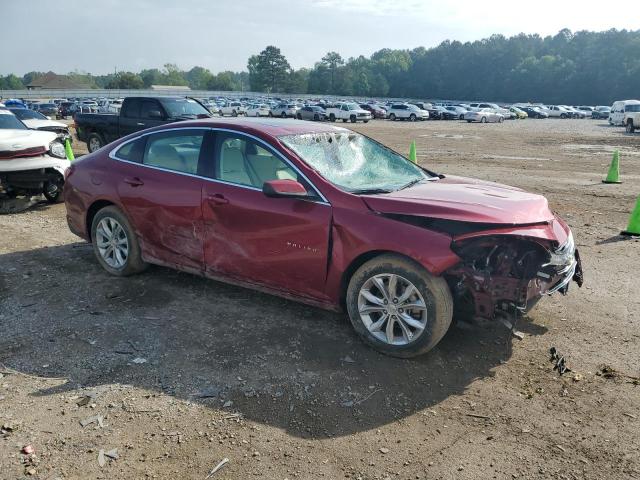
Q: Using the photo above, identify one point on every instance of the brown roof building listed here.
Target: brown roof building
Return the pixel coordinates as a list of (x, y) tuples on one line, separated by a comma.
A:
[(51, 81)]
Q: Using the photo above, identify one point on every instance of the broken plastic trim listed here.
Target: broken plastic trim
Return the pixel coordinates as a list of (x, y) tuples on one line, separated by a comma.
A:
[(452, 227)]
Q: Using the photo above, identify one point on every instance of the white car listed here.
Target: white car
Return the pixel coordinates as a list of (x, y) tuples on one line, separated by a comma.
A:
[(37, 121), (260, 110), (405, 111), (233, 108), (32, 163), (556, 111), (284, 110), (484, 115), (348, 112), (618, 109)]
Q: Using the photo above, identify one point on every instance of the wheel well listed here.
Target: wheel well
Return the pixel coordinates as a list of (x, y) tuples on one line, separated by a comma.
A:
[(91, 212), (355, 264)]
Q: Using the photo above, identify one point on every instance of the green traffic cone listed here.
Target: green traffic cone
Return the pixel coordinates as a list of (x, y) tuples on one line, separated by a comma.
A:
[(614, 169), (634, 221), (412, 152), (68, 151)]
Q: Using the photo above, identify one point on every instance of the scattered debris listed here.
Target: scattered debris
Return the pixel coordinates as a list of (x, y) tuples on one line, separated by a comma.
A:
[(104, 454), (227, 404), (217, 467), (607, 371), (28, 449), (139, 360), (85, 400), (348, 359), (630, 415), (384, 450), (210, 392), (97, 419), (560, 362), (474, 415), (561, 448)]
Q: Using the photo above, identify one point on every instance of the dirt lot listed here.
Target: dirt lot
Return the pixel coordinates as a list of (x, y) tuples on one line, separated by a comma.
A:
[(184, 372)]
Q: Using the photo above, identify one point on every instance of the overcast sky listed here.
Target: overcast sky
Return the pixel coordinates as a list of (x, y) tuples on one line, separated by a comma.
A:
[(98, 36)]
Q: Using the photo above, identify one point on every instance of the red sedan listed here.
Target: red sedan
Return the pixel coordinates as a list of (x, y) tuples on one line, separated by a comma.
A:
[(322, 215)]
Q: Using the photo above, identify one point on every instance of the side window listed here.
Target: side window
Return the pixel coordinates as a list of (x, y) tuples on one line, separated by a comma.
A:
[(246, 162), (131, 108), (151, 109), (177, 150), (132, 151)]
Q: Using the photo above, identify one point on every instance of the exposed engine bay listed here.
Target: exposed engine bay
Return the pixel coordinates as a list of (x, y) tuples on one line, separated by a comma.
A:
[(502, 274)]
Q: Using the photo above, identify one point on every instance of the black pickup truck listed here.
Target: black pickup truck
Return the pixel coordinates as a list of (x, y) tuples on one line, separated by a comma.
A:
[(137, 113)]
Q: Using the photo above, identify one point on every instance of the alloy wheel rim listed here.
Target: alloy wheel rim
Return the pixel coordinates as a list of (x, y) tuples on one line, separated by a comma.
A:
[(392, 309), (112, 242), (94, 144)]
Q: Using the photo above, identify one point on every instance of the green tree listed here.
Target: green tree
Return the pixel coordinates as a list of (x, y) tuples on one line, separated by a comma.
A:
[(198, 78), (332, 60), (125, 81), (269, 70)]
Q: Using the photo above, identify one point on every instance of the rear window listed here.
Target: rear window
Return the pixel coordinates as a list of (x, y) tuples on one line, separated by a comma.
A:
[(132, 151)]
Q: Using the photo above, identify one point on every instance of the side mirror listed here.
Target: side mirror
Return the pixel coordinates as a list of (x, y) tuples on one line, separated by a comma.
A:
[(157, 114), (284, 189)]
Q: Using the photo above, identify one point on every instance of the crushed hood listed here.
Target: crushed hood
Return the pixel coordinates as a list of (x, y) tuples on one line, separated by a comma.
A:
[(465, 200), (16, 140)]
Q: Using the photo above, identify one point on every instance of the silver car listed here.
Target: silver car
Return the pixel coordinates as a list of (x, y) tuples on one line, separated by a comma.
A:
[(484, 115)]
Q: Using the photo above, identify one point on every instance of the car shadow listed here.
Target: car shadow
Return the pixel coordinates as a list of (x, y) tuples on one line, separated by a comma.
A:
[(273, 361)]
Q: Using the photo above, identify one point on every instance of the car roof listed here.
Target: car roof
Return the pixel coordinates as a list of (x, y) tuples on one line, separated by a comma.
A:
[(274, 127)]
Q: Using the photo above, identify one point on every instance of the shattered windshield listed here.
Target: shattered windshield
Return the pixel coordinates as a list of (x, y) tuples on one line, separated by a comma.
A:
[(355, 163)]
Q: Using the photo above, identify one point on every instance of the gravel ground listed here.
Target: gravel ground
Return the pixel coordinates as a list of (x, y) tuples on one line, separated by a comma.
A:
[(177, 372)]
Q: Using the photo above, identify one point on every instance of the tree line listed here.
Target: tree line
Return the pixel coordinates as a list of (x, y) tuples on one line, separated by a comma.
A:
[(570, 67)]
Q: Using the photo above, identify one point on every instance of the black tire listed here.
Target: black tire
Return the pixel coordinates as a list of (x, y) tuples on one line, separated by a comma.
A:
[(270, 113), (461, 116), (134, 263), (500, 119), (469, 121), (95, 142), (53, 190), (562, 115), (344, 120), (283, 114), (332, 117), (392, 117), (483, 120), (434, 291), (234, 113), (629, 127), (412, 117), (299, 116), (365, 121), (316, 117), (353, 119)]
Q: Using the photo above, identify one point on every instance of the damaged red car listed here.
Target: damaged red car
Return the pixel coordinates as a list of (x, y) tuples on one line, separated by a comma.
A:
[(322, 215)]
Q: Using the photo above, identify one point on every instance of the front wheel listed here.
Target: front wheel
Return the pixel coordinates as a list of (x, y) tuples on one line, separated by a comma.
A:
[(392, 117), (332, 117), (500, 119), (412, 117), (483, 120), (283, 114), (52, 190), (630, 128), (398, 307), (353, 119), (115, 244)]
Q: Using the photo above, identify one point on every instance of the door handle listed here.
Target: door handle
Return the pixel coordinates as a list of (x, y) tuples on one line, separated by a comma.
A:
[(133, 181), (217, 198), (140, 124)]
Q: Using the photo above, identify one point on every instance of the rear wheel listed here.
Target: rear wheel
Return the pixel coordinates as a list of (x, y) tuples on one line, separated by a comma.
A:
[(332, 117), (353, 119), (115, 244), (299, 116), (562, 115), (283, 114), (412, 117), (234, 113), (630, 128), (398, 307), (483, 120), (316, 117), (500, 119), (392, 117), (95, 142)]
